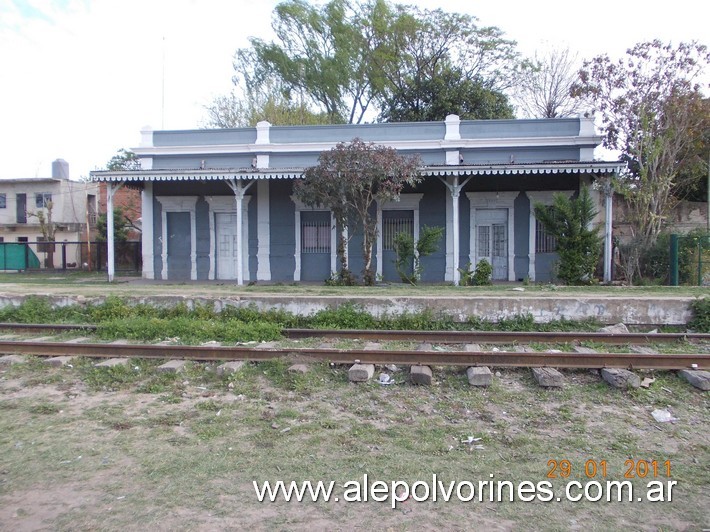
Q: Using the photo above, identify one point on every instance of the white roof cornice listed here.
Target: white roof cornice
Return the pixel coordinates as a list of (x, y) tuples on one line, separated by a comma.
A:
[(404, 145)]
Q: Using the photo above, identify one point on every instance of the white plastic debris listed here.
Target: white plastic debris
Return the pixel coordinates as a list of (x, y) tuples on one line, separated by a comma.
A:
[(385, 379), (663, 416), (470, 440)]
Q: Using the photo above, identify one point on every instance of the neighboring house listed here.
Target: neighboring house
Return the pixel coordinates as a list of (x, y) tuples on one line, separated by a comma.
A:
[(73, 206), (217, 204)]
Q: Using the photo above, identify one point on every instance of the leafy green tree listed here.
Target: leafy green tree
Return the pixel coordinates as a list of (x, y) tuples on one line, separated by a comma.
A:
[(434, 98), (409, 253), (349, 180), (123, 160), (579, 245), (345, 60), (230, 111), (650, 106), (121, 226)]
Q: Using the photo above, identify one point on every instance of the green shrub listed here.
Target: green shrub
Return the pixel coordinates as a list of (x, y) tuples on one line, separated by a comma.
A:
[(701, 315)]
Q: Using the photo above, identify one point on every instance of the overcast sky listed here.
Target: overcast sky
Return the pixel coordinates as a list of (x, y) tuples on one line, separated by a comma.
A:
[(80, 78)]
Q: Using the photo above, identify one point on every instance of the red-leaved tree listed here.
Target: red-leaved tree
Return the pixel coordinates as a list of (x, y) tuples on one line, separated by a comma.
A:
[(349, 180)]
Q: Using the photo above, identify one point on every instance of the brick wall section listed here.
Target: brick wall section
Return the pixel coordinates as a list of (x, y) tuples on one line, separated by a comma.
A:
[(129, 200)]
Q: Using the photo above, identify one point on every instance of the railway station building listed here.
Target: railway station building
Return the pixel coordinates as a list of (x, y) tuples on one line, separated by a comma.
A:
[(219, 204)]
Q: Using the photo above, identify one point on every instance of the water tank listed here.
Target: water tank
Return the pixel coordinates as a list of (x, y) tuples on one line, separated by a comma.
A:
[(60, 169)]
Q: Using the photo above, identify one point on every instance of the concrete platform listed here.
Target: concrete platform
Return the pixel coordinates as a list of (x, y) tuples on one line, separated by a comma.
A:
[(621, 306)]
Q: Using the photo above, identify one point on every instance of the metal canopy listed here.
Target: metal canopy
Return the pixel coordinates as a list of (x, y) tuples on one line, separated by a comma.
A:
[(554, 167)]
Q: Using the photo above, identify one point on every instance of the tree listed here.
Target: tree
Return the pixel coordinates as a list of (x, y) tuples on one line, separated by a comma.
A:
[(409, 253), (347, 60), (47, 228), (415, 48), (124, 160), (121, 225), (569, 221), (543, 88), (349, 180), (437, 97), (232, 111), (650, 107)]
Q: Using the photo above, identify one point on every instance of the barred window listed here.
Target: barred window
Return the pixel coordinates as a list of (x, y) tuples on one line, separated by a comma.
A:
[(315, 236), (391, 227), (42, 198), (544, 242), (3, 200)]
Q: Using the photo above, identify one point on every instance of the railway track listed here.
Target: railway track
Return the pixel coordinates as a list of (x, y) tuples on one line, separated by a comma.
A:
[(419, 356), (438, 337)]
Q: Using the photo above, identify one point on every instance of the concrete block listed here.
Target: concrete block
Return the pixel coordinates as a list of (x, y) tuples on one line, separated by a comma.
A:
[(472, 348), (619, 328), (548, 377), (425, 346), (361, 372), (9, 360), (58, 362), (698, 378), (298, 368), (420, 375), (621, 378), (479, 376), (372, 346), (172, 366), (229, 367), (40, 339), (111, 362)]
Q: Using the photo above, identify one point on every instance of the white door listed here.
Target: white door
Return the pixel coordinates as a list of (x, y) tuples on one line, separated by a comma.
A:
[(492, 240), (226, 246)]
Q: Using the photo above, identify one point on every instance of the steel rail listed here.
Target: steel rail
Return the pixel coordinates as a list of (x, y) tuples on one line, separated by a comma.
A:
[(440, 337), (349, 356), (46, 327), (493, 337)]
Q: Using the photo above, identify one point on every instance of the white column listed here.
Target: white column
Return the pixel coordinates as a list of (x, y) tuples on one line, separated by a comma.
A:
[(455, 239), (239, 190), (297, 250), (147, 229), (380, 248), (532, 234), (238, 197), (263, 254)]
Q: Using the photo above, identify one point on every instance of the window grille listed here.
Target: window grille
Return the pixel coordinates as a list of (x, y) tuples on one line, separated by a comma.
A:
[(42, 198), (544, 242), (315, 236), (499, 241), (393, 226), (484, 240), (3, 200)]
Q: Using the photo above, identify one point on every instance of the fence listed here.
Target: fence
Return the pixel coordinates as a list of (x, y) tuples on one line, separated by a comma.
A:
[(690, 259), (67, 256)]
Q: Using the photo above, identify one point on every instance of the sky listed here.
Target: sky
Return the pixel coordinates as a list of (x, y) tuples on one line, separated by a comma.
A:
[(79, 79)]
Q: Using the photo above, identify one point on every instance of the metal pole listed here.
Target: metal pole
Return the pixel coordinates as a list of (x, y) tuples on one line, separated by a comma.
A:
[(109, 230)]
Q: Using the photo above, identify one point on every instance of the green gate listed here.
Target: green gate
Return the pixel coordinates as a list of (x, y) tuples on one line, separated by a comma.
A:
[(17, 256), (690, 259)]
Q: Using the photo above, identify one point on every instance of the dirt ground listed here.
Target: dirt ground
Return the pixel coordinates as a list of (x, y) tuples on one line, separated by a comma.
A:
[(129, 449)]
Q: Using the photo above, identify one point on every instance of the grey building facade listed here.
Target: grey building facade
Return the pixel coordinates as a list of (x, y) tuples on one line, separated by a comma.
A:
[(218, 204)]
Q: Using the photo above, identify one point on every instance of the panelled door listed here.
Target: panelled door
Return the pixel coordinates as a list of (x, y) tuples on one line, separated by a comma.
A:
[(226, 240), (492, 240)]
